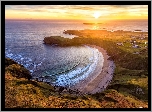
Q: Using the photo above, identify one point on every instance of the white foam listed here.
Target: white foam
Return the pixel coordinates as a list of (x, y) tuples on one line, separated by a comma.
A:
[(39, 64), (31, 71), (19, 56), (9, 55), (22, 58), (66, 79), (30, 59)]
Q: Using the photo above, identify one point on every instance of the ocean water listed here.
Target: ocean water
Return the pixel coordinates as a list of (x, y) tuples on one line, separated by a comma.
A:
[(57, 65)]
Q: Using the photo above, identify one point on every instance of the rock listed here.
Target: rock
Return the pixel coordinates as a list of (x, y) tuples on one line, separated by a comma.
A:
[(135, 46), (18, 71), (9, 61), (139, 91), (120, 44), (61, 89)]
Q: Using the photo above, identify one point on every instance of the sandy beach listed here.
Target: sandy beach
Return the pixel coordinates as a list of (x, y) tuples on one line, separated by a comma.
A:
[(99, 78), (103, 76)]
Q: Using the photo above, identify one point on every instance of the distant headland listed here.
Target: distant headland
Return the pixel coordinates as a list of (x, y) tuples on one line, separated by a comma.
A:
[(92, 23)]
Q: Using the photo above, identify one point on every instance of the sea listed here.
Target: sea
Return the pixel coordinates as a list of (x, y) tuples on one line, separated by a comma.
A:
[(62, 66)]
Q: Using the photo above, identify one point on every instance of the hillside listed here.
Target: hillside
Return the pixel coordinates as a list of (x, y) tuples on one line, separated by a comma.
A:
[(128, 89)]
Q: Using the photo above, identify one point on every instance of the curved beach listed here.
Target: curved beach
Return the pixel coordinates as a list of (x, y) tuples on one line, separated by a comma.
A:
[(103, 76)]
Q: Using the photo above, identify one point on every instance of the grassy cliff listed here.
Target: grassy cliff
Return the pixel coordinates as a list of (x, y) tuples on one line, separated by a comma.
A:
[(24, 93), (128, 89)]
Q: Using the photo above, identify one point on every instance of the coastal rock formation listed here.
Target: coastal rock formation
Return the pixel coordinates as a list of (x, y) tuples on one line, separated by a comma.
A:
[(61, 41), (16, 69)]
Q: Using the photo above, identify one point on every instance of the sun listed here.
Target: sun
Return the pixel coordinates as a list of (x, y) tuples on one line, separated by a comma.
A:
[(96, 15)]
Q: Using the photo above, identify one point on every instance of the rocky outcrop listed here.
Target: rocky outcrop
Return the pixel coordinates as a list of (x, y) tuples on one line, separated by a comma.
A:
[(16, 70)]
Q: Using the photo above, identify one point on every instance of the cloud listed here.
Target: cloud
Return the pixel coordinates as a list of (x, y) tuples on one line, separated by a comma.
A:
[(76, 11), (80, 7)]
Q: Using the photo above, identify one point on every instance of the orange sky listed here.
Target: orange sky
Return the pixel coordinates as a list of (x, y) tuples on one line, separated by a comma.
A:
[(77, 12)]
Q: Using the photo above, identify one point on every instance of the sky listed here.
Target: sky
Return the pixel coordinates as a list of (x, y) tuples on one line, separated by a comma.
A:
[(76, 12)]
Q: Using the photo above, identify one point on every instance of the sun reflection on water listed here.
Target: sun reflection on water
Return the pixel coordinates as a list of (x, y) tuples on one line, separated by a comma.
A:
[(95, 27)]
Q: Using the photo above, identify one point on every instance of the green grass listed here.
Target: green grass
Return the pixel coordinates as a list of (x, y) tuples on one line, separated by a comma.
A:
[(131, 73)]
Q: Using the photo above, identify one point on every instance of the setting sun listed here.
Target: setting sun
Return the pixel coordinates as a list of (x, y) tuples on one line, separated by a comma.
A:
[(78, 12), (76, 56), (96, 15)]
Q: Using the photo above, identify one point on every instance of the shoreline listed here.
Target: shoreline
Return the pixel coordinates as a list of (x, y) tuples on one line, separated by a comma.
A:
[(101, 81)]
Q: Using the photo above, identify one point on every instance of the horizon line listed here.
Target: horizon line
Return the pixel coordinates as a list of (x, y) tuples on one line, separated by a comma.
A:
[(73, 19)]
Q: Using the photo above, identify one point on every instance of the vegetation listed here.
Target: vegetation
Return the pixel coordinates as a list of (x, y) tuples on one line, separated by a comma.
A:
[(61, 41), (16, 70), (128, 89), (122, 55)]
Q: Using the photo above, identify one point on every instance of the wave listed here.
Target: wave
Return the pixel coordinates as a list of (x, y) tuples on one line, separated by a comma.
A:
[(80, 74), (68, 73)]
